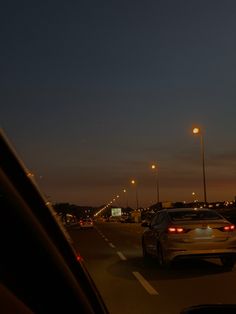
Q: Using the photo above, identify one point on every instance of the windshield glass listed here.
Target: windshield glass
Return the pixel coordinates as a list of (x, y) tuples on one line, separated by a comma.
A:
[(120, 109)]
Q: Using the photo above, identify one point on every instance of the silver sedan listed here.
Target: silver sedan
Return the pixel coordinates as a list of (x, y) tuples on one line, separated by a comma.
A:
[(186, 232)]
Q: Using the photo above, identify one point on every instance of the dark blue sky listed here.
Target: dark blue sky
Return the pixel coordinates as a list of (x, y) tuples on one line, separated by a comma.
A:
[(93, 92)]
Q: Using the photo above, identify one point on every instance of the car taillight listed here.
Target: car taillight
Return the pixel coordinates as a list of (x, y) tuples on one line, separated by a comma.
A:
[(176, 230), (228, 228), (79, 258)]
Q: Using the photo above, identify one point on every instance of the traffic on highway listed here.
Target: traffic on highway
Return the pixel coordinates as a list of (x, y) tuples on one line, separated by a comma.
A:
[(176, 261), (132, 283), (118, 157)]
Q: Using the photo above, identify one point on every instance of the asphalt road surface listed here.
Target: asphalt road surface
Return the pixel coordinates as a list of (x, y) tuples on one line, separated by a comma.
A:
[(128, 284)]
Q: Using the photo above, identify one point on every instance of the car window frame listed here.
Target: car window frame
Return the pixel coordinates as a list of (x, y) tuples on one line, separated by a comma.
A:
[(157, 220), (34, 216)]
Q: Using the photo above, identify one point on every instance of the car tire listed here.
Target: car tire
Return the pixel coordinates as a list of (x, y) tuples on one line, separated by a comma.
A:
[(228, 262)]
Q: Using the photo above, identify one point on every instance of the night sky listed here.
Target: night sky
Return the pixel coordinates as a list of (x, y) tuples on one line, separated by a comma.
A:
[(93, 92)]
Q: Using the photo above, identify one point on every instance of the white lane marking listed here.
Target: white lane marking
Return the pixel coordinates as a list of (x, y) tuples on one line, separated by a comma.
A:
[(145, 283), (121, 255), (102, 235), (98, 231)]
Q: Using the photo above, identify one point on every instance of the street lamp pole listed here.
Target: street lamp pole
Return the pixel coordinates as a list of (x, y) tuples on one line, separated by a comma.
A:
[(117, 196), (157, 184), (197, 131), (126, 193), (136, 192)]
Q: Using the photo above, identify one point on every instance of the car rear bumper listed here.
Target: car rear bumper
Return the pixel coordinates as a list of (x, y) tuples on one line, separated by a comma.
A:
[(173, 248), (174, 254)]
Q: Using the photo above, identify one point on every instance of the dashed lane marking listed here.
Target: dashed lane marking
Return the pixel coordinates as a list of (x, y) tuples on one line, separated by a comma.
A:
[(121, 255), (112, 245), (145, 283)]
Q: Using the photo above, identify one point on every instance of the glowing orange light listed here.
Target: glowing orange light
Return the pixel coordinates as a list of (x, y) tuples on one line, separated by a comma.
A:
[(196, 130)]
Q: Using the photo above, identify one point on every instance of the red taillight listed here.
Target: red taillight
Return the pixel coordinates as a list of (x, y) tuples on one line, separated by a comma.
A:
[(228, 228), (176, 230), (79, 258)]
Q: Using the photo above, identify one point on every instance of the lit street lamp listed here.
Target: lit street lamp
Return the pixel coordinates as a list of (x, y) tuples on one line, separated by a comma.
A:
[(194, 196), (197, 131), (136, 190), (126, 193), (117, 196), (154, 167)]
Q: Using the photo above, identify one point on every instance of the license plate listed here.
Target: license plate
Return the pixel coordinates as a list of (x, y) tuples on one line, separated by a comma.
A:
[(202, 233)]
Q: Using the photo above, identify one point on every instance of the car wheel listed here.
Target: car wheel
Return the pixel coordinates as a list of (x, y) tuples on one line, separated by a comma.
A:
[(228, 262)]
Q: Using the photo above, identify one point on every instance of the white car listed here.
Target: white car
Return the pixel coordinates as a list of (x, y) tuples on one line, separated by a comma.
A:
[(187, 232), (86, 223)]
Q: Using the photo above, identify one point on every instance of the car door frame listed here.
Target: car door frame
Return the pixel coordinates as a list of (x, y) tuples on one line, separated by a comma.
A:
[(152, 235)]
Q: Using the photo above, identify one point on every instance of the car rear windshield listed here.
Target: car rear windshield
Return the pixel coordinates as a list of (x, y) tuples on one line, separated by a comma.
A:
[(194, 215)]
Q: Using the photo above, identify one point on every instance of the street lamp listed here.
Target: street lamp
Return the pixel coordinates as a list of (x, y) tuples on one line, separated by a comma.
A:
[(197, 131), (136, 190), (30, 174), (154, 167), (117, 196), (125, 191), (194, 196)]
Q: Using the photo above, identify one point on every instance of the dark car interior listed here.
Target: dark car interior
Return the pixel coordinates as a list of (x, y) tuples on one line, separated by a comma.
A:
[(39, 269)]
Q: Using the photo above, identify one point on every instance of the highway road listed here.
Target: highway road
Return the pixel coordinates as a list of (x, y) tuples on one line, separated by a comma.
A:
[(128, 284)]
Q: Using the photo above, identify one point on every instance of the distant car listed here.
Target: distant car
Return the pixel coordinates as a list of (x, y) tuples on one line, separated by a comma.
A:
[(129, 219), (122, 219), (86, 223), (186, 232), (126, 219), (112, 219)]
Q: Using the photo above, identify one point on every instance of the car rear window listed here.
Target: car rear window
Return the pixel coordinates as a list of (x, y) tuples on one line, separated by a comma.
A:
[(194, 215)]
